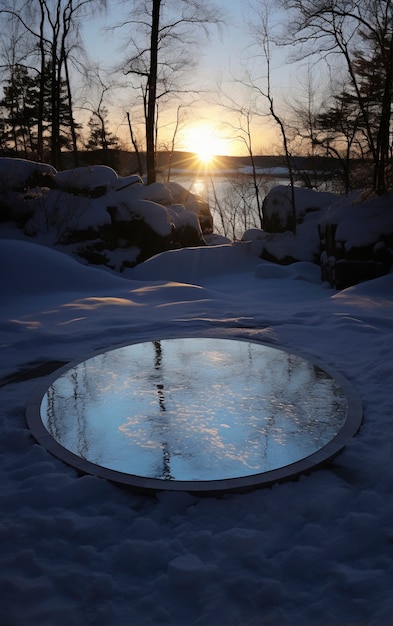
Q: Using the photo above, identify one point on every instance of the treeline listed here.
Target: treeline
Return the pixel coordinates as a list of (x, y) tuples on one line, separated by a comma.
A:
[(342, 111)]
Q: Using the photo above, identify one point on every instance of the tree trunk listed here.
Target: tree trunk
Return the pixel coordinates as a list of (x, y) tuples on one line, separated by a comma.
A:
[(152, 95), (41, 99), (70, 107), (55, 125), (383, 137), (135, 144)]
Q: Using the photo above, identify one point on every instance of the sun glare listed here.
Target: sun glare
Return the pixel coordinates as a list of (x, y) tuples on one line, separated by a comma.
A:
[(205, 143)]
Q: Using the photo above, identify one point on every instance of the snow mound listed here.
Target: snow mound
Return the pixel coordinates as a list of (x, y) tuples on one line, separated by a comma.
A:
[(309, 272), (379, 288), (271, 270), (187, 264), (87, 178), (29, 268)]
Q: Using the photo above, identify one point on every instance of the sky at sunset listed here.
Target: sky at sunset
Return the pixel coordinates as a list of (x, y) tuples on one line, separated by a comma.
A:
[(206, 126)]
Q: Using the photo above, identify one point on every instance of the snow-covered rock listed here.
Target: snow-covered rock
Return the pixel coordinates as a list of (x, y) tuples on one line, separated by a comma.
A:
[(87, 179), (278, 213), (350, 237), (20, 174), (93, 212), (357, 240)]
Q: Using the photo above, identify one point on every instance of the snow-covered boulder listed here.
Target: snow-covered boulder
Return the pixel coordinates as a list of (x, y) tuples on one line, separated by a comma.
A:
[(92, 180), (357, 239), (19, 179), (152, 214), (96, 215), (20, 174), (193, 203), (156, 192), (187, 231), (287, 247), (350, 237), (68, 218), (278, 213)]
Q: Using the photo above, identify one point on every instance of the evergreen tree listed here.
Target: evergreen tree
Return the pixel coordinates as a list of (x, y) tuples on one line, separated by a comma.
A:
[(20, 106), (338, 132), (373, 65), (362, 33), (65, 139), (100, 138), (20, 111)]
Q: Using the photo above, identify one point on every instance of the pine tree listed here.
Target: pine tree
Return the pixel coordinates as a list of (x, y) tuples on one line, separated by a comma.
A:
[(20, 106), (100, 138), (374, 67), (65, 139)]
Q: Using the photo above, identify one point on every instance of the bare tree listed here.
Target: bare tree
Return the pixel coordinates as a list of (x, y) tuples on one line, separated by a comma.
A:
[(135, 144), (261, 31), (352, 30), (162, 41), (325, 127), (100, 137), (171, 145), (242, 132), (53, 26)]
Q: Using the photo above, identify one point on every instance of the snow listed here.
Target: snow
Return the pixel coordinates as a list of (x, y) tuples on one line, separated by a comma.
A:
[(54, 206), (279, 202), (15, 172), (361, 222), (80, 550), (87, 178), (152, 213)]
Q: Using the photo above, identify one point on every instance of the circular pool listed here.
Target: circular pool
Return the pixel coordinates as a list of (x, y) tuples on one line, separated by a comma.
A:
[(202, 414)]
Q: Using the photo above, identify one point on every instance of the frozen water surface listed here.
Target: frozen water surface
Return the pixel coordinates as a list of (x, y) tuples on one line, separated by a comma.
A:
[(194, 409)]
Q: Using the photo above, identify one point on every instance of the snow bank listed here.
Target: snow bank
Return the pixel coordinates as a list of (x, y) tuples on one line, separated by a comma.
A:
[(191, 263), (31, 270)]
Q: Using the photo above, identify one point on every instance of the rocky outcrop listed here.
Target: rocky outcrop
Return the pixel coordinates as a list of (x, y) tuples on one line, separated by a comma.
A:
[(99, 217), (349, 237), (356, 238)]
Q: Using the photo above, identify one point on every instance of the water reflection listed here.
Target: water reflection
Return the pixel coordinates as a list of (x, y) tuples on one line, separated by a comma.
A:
[(232, 199), (194, 409)]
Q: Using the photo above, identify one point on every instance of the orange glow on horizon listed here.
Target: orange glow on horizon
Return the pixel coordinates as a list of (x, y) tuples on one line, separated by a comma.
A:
[(205, 142)]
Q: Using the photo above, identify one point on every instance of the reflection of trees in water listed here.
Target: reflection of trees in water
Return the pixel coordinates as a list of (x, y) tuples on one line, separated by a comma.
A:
[(310, 402), (80, 382), (50, 417), (162, 418), (67, 417), (196, 406), (158, 355), (298, 404)]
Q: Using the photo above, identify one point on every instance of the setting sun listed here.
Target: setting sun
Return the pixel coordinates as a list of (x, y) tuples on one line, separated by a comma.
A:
[(205, 143)]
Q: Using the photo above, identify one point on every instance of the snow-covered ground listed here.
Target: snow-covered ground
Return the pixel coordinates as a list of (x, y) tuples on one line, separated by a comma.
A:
[(79, 550), (82, 551)]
